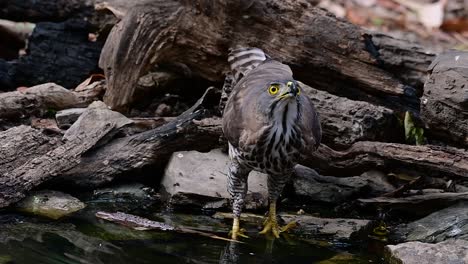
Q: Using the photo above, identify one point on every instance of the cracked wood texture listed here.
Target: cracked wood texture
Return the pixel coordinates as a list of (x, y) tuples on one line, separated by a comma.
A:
[(324, 52), (429, 160), (20, 104), (21, 144), (92, 126)]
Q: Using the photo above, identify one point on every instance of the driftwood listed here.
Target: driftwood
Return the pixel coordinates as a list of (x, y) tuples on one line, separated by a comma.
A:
[(323, 51), (346, 121), (140, 223), (91, 128), (122, 156), (444, 106), (20, 144), (428, 160), (44, 97)]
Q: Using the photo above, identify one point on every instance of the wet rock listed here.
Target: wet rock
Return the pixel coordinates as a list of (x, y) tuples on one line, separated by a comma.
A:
[(453, 251), (123, 197), (378, 182), (315, 187), (66, 118), (451, 222), (335, 228), (51, 204), (200, 179)]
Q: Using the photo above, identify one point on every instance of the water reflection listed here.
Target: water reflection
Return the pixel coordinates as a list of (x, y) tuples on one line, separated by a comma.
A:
[(85, 239)]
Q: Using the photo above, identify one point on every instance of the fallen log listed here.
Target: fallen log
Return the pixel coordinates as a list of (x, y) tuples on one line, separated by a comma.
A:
[(21, 144), (346, 121), (91, 128), (429, 160), (324, 52), (140, 223), (40, 98)]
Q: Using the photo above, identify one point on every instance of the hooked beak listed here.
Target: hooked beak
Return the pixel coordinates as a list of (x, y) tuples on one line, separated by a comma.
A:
[(292, 92)]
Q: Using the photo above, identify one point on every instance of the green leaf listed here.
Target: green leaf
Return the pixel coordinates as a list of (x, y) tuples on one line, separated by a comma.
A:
[(413, 133)]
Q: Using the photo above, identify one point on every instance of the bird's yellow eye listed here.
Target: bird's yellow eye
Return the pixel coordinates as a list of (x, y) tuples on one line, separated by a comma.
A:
[(273, 89)]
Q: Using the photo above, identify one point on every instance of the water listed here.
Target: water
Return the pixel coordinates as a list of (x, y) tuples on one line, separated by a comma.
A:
[(85, 239)]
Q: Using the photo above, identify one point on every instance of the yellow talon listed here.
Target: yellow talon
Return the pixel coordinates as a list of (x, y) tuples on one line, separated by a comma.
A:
[(271, 224), (236, 231)]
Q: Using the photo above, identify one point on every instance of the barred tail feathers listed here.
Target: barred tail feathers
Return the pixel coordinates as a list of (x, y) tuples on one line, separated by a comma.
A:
[(242, 60)]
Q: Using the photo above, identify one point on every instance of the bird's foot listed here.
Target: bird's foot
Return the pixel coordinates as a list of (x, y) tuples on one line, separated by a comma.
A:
[(236, 231), (271, 226), (234, 234)]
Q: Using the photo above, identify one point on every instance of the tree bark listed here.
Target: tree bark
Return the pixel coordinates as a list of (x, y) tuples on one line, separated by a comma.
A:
[(42, 97), (427, 159), (323, 51), (345, 121), (91, 128), (21, 144)]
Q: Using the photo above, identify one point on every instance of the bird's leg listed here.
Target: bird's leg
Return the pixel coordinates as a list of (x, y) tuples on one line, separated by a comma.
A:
[(275, 186), (237, 187), (271, 223)]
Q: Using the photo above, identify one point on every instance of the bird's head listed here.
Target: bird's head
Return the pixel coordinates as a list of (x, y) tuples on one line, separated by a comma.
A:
[(284, 90), (279, 96)]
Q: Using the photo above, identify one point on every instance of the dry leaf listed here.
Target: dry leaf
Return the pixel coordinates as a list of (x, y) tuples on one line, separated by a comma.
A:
[(93, 78), (456, 24)]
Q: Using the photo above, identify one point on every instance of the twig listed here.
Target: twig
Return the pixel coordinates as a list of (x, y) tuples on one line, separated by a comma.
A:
[(140, 223)]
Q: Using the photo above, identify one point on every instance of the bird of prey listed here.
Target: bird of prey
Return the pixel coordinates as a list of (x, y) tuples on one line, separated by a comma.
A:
[(269, 124)]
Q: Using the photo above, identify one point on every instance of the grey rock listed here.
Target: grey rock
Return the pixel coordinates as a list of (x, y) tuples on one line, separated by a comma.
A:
[(444, 104), (315, 187), (136, 191), (200, 179), (451, 222), (453, 251), (377, 182), (123, 197), (66, 118), (51, 204)]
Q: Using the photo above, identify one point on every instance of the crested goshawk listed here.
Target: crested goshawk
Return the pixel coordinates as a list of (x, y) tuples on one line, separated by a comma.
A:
[(269, 124)]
